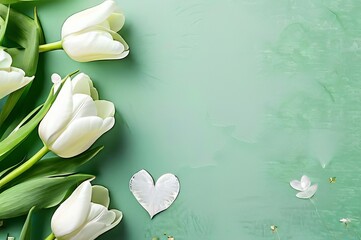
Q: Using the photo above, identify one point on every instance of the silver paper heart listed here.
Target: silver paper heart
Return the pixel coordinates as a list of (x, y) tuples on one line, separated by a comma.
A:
[(154, 198)]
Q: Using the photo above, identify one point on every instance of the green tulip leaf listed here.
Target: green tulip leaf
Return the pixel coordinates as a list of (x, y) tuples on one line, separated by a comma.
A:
[(16, 1), (27, 118), (44, 192), (38, 27), (16, 137), (4, 24), (9, 169), (57, 166), (25, 32), (26, 231)]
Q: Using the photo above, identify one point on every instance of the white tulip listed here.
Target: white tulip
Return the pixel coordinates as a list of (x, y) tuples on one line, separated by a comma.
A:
[(92, 34), (84, 215), (76, 119), (11, 78)]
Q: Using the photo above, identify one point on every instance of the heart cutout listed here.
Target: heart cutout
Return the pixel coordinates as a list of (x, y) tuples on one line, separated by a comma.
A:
[(154, 198)]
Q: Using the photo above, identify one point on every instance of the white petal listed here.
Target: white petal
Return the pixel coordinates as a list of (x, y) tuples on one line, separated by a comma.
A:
[(154, 198), (99, 218), (12, 81), (296, 185), (307, 193), (83, 106), (88, 18), (80, 135), (95, 228), (73, 212), (100, 195), (118, 218), (58, 116), (116, 21), (94, 93), (105, 109), (92, 46), (124, 54), (55, 78), (305, 182), (83, 84), (167, 189), (119, 38), (5, 60), (99, 213)]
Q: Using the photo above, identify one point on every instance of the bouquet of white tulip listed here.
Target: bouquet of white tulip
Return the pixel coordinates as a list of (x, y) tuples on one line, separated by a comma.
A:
[(69, 122)]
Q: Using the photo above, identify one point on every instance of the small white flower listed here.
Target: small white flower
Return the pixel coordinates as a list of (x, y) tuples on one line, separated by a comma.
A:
[(304, 186), (345, 220), (273, 228), (55, 78)]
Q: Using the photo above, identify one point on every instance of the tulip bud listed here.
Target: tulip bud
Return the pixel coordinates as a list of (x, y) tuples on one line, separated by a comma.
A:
[(76, 119), (11, 78), (92, 35), (85, 214)]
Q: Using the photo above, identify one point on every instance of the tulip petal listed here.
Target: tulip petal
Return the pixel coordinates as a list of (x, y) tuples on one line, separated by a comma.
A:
[(307, 193), (116, 21), (99, 218), (80, 135), (12, 81), (92, 46), (119, 38), (88, 18), (83, 84), (105, 108), (58, 115), (305, 182), (83, 106), (94, 93), (5, 60), (118, 218), (295, 184), (104, 220), (73, 212), (99, 213), (100, 195)]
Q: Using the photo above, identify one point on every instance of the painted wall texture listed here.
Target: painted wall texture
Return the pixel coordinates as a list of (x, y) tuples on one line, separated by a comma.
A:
[(237, 98)]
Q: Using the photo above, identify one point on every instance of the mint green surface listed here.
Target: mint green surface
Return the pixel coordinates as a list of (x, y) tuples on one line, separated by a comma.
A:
[(236, 98)]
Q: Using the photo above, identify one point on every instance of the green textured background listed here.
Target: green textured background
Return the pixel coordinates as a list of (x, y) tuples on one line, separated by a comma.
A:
[(237, 98)]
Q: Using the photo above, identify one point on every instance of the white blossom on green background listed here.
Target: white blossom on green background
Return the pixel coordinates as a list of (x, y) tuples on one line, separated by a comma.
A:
[(11, 78), (85, 215), (76, 119), (304, 186), (92, 34)]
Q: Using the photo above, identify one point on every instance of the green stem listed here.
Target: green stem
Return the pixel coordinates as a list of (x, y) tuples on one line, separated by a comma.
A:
[(50, 237), (50, 46), (24, 167)]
